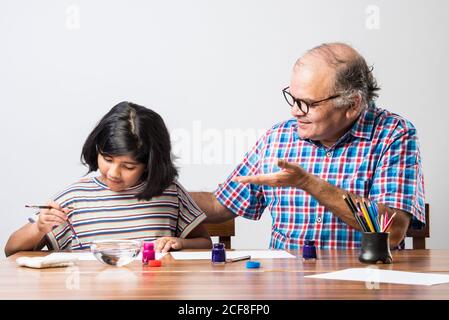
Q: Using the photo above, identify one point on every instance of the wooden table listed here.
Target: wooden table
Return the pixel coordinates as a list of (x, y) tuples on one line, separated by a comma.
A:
[(198, 279)]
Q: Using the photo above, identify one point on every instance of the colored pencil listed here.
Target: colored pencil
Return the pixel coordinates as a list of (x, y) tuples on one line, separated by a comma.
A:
[(370, 208), (347, 199), (388, 224), (367, 217)]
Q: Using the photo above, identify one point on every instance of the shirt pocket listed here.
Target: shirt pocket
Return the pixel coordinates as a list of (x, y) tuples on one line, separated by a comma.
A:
[(360, 187)]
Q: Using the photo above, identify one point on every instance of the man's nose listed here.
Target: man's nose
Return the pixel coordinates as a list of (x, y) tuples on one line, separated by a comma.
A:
[(296, 111)]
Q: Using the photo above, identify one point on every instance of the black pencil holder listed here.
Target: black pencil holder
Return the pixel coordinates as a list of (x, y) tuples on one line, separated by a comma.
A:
[(375, 248)]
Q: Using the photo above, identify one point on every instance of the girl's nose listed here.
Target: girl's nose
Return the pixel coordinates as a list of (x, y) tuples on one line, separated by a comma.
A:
[(114, 172)]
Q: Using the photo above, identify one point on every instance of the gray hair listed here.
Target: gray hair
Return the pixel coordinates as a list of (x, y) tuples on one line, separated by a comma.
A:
[(353, 76)]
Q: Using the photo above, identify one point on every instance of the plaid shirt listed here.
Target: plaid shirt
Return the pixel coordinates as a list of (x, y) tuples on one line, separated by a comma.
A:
[(377, 158)]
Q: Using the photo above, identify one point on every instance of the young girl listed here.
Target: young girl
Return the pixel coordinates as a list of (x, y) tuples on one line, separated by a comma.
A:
[(135, 195)]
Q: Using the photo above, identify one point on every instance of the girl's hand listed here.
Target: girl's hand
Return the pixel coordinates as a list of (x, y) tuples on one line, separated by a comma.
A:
[(166, 244), (50, 218)]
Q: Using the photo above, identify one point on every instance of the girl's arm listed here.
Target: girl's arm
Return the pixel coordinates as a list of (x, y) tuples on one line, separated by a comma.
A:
[(198, 238), (31, 236), (27, 238)]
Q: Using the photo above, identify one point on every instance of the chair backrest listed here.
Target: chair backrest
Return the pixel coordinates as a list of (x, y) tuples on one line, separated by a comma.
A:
[(224, 231), (419, 236)]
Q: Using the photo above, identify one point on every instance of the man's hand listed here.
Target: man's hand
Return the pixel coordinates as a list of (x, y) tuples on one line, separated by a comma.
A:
[(291, 175)]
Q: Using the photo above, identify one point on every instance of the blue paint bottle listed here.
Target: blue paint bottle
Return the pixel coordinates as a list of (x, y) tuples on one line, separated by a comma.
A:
[(309, 250), (218, 253)]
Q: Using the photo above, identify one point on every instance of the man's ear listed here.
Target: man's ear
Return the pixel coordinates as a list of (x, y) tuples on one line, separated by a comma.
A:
[(355, 107)]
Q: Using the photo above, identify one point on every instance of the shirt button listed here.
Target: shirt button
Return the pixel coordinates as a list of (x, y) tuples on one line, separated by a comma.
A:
[(329, 154), (318, 220)]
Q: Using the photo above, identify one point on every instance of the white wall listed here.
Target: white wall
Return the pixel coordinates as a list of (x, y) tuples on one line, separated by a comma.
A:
[(210, 68)]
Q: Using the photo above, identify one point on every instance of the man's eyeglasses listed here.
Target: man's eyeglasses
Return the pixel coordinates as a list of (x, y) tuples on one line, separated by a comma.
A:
[(304, 106)]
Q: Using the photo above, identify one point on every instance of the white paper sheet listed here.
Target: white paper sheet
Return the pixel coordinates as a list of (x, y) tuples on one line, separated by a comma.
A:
[(255, 254), (375, 275), (88, 256)]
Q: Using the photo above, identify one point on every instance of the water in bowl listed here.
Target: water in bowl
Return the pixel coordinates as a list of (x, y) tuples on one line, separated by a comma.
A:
[(116, 253)]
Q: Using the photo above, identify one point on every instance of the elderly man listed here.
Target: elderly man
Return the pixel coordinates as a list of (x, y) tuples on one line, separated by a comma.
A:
[(338, 143)]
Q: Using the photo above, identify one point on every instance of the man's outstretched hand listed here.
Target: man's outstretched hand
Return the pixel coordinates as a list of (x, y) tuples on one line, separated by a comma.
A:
[(291, 175)]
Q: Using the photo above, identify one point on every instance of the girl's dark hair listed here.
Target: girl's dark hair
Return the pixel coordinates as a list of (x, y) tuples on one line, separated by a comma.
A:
[(130, 129)]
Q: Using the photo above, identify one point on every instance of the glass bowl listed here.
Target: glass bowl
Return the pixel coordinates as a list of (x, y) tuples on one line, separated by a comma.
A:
[(115, 252)]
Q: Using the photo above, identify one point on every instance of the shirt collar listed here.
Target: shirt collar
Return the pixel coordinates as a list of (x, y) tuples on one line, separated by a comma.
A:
[(105, 186), (363, 126)]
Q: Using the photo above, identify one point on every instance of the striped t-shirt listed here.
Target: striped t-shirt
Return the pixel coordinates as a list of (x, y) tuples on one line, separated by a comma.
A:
[(102, 214)]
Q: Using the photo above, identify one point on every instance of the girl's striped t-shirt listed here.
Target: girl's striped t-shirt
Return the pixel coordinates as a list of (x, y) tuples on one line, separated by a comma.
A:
[(102, 214)]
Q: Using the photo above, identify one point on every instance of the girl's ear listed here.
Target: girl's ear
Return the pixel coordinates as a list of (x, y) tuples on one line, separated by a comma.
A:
[(144, 175)]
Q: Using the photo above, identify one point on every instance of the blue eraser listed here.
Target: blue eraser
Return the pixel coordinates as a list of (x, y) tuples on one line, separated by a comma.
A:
[(252, 264)]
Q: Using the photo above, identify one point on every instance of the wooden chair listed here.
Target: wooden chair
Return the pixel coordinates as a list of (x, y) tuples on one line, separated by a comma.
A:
[(224, 231), (419, 235)]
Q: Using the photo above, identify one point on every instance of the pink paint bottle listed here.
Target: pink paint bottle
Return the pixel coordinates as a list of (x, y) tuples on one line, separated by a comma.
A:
[(148, 252)]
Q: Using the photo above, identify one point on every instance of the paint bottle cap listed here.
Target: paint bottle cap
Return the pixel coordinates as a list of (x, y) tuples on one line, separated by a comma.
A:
[(154, 263), (309, 242), (219, 245), (253, 264)]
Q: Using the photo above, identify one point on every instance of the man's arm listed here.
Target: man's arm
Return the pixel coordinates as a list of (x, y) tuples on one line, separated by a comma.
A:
[(327, 195), (331, 197), (215, 211)]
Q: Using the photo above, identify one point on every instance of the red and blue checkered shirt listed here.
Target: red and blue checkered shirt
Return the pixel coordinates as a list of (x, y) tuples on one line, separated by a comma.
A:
[(377, 158)]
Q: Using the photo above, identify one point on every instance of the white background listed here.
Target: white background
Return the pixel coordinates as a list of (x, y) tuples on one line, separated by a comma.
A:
[(208, 67)]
